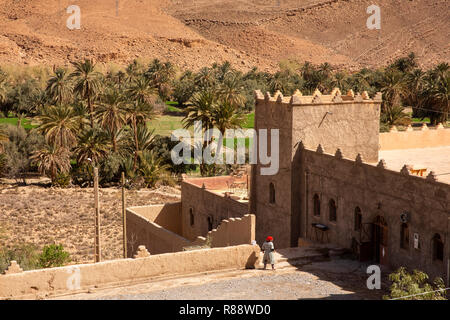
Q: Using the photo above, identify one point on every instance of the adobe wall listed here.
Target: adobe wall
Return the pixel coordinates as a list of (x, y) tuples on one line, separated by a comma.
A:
[(353, 127), (273, 218), (377, 192), (206, 203), (142, 229), (167, 215), (233, 231), (31, 284), (412, 139)]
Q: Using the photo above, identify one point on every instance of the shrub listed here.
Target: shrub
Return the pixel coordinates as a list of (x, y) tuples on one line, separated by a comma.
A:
[(62, 180), (414, 286), (53, 256), (26, 256), (109, 170)]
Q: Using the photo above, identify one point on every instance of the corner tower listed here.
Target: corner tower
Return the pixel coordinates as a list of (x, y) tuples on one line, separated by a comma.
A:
[(347, 122)]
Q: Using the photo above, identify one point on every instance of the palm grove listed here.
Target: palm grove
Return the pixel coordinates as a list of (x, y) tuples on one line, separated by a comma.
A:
[(86, 118)]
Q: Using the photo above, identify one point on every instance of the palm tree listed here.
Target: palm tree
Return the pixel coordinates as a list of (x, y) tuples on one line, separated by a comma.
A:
[(393, 87), (435, 96), (227, 116), (138, 113), (93, 145), (161, 76), (231, 89), (51, 160), (87, 83), (60, 125), (205, 79), (111, 113), (201, 109), (415, 82), (3, 138), (141, 91), (132, 71), (340, 81), (59, 86), (3, 89), (145, 138), (151, 168), (361, 81)]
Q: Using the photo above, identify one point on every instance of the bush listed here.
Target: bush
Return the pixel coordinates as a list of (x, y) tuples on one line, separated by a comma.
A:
[(109, 170), (62, 180), (414, 286), (19, 150), (26, 256), (53, 256)]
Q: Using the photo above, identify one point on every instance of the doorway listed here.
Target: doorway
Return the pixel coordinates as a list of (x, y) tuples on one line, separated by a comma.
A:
[(380, 240)]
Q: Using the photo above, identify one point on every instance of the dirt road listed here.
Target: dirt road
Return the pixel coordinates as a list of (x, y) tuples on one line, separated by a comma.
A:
[(339, 279)]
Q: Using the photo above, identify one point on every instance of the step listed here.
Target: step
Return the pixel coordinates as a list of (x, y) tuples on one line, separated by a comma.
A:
[(300, 255)]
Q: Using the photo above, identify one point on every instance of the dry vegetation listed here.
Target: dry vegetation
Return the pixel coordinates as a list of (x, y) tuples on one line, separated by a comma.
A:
[(39, 215)]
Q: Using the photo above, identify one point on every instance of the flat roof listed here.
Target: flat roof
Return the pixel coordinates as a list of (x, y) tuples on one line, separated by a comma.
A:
[(433, 159)]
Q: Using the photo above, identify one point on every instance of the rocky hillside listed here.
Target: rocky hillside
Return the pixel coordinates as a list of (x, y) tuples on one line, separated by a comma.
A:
[(195, 33)]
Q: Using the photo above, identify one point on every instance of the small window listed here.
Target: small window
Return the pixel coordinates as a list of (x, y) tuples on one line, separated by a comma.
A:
[(438, 248), (333, 210), (271, 193), (358, 219), (404, 236), (210, 223), (191, 216), (316, 205)]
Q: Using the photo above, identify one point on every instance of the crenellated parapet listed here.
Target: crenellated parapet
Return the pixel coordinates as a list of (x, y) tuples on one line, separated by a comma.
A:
[(410, 138), (231, 231), (359, 161), (335, 97)]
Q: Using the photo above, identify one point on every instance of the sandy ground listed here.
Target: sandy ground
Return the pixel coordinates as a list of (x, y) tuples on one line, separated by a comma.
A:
[(434, 159), (41, 216), (337, 279)]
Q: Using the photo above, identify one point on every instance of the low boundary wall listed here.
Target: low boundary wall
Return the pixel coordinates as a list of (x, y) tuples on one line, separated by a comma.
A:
[(414, 139), (78, 278), (143, 229)]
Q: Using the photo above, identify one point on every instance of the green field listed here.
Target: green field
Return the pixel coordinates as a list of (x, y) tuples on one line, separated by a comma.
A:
[(164, 125), (26, 123)]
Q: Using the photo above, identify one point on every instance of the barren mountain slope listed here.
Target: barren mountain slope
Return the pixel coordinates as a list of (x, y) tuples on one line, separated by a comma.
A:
[(35, 31), (195, 33)]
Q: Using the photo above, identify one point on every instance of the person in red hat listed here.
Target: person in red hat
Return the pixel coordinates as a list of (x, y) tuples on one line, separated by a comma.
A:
[(268, 249)]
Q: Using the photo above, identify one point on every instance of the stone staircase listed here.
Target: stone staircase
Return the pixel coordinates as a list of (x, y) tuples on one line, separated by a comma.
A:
[(292, 257)]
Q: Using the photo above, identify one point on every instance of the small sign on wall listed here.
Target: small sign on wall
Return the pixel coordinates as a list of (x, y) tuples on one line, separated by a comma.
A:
[(416, 241)]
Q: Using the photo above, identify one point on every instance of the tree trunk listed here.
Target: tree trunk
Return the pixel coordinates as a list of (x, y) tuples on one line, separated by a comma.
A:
[(91, 111), (136, 143), (19, 120), (114, 142)]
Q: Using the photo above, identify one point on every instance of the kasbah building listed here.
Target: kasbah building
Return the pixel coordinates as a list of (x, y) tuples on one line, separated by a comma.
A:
[(341, 185), (385, 196)]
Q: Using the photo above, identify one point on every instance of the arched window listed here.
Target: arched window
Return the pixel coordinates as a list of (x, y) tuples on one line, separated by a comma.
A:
[(316, 200), (191, 216), (271, 193), (210, 223), (358, 219), (333, 210), (404, 236), (438, 248)]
